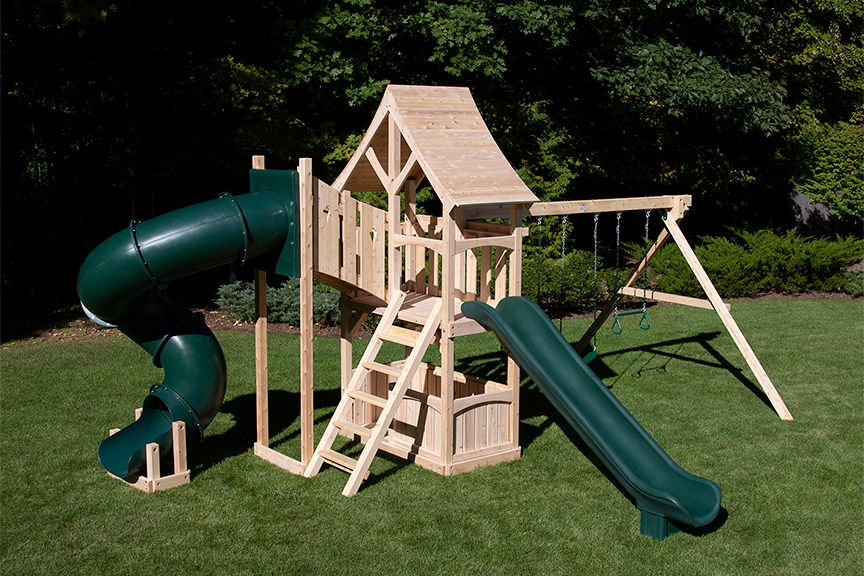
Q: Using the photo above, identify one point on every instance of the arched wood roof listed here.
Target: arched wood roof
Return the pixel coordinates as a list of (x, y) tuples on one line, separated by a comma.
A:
[(436, 132)]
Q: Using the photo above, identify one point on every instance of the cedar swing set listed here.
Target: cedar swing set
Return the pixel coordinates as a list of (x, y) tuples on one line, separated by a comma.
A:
[(417, 272)]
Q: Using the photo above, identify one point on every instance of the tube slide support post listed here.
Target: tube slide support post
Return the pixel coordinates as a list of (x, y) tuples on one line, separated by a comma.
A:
[(154, 481), (307, 439), (262, 412)]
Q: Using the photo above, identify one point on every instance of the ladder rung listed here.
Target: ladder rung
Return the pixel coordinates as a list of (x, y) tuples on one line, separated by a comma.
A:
[(353, 428), (340, 461), (383, 368), (366, 397), (399, 335)]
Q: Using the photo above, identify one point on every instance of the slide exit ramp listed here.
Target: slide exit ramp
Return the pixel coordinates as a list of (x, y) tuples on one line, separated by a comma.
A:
[(664, 492)]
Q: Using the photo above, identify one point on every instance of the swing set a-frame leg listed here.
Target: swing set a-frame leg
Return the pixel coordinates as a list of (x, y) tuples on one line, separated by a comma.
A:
[(672, 230), (728, 321)]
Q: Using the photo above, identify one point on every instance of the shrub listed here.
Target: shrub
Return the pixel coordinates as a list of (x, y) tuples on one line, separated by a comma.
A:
[(570, 290), (855, 283), (283, 303), (752, 263)]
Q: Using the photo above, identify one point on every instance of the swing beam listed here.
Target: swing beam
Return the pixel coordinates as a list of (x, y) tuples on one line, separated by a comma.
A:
[(675, 208)]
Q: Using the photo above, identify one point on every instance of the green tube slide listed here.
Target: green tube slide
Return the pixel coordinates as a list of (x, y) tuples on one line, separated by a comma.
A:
[(122, 284), (663, 490)]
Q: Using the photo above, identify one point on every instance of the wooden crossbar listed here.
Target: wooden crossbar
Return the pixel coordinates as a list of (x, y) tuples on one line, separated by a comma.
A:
[(668, 298), (677, 205)]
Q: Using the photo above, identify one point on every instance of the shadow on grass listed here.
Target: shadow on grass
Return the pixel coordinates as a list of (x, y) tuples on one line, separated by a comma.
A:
[(534, 404), (704, 340), (284, 411)]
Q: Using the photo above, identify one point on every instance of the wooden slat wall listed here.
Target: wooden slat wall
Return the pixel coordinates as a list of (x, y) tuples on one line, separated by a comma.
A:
[(484, 427), (350, 240), (326, 229)]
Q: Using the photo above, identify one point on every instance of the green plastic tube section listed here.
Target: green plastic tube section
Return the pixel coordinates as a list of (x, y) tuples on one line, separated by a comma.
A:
[(121, 283)]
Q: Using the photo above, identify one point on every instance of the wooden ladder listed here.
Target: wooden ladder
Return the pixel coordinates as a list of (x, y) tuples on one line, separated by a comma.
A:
[(418, 342)]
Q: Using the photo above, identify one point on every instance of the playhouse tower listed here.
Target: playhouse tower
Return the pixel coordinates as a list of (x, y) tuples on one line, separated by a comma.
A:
[(415, 271)]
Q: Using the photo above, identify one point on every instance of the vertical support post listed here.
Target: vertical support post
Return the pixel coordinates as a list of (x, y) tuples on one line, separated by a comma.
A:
[(178, 436), (447, 344), (153, 460), (728, 321), (346, 343), (261, 380), (350, 322), (460, 259), (307, 440), (513, 373), (394, 165), (411, 217), (261, 384)]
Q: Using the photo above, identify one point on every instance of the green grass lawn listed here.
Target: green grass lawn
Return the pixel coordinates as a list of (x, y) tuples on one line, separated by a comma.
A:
[(792, 491)]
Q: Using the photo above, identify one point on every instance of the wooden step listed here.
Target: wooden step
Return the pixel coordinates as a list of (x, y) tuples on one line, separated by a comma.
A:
[(383, 368), (340, 461), (399, 335), (352, 428), (366, 397)]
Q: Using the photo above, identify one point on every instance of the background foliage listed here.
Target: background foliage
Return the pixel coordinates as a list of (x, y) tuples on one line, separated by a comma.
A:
[(114, 111)]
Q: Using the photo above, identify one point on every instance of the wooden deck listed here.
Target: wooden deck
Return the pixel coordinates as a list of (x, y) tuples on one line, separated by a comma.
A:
[(416, 309)]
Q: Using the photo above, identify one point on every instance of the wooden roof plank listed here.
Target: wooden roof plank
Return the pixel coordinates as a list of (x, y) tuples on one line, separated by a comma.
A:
[(442, 130)]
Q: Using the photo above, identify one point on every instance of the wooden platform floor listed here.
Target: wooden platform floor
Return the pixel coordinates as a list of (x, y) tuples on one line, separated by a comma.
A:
[(415, 310)]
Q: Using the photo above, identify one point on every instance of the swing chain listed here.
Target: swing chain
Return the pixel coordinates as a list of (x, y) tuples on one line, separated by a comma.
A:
[(539, 258), (596, 219), (644, 323), (563, 293), (616, 326), (644, 319)]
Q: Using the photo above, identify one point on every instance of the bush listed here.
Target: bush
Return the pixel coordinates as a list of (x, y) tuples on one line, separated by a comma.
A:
[(754, 263), (855, 283), (283, 303), (567, 291)]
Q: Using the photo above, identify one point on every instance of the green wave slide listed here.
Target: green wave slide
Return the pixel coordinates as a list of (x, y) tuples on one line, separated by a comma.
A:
[(664, 492), (122, 284)]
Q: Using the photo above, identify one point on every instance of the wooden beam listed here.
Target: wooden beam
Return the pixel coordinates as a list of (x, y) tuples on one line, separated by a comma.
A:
[(406, 240), (261, 378), (400, 178), (379, 169), (508, 242), (307, 433), (447, 343), (513, 372), (669, 298), (261, 383), (728, 321), (677, 205)]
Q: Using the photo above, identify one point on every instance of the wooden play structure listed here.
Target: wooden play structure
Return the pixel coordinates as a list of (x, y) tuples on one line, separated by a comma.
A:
[(415, 271)]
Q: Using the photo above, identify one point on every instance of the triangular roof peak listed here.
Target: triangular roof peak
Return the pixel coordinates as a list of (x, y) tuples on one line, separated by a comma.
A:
[(436, 132)]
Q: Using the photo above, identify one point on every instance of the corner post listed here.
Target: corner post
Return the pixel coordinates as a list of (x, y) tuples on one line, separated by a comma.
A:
[(261, 381), (307, 439), (447, 344), (513, 373)]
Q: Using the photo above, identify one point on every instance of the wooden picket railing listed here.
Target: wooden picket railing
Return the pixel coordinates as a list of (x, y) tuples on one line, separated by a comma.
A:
[(351, 241)]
